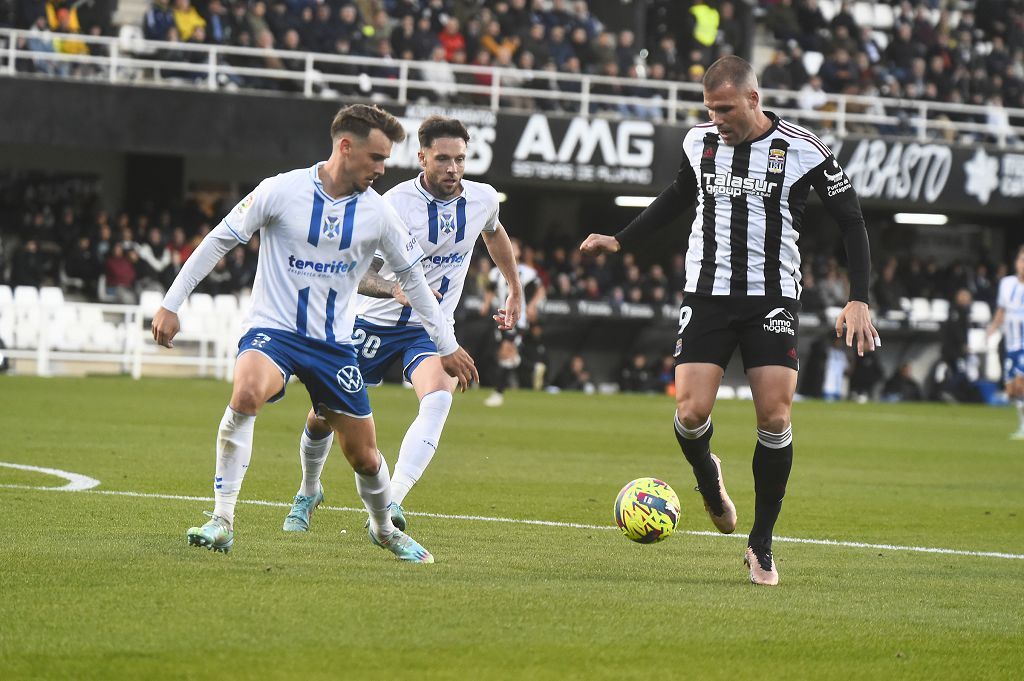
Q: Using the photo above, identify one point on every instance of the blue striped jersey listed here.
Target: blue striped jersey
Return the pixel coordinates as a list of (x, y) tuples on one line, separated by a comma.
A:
[(1011, 299), (447, 232), (314, 249)]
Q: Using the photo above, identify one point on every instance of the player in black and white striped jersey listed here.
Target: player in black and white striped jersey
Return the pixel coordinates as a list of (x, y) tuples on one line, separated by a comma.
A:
[(749, 173)]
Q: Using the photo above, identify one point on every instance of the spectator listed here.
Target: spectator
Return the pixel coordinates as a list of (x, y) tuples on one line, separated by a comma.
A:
[(82, 268), (636, 375), (157, 20), (901, 386), (888, 289), (187, 19), (120, 276), (812, 97), (29, 265), (155, 264), (575, 376), (451, 39)]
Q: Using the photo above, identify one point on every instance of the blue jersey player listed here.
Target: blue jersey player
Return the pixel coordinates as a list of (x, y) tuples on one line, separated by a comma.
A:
[(320, 228), (1009, 318), (445, 214)]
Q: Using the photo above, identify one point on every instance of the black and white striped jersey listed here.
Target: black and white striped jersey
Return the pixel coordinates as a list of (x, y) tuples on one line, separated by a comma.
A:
[(750, 200)]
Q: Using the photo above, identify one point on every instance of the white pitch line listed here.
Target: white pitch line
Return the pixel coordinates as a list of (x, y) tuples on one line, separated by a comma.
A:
[(545, 523)]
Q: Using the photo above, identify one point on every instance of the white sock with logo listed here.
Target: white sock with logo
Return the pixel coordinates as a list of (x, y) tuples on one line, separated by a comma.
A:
[(313, 454), (420, 443), (375, 491), (234, 449)]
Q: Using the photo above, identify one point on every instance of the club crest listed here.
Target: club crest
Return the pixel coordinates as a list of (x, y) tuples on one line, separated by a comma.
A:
[(446, 221), (331, 226), (776, 160)]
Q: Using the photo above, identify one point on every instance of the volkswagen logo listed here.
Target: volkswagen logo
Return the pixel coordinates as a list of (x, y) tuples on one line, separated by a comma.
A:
[(350, 380)]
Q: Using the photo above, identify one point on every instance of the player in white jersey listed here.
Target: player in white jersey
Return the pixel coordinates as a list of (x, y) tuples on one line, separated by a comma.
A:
[(1009, 318), (509, 340), (445, 214), (320, 228)]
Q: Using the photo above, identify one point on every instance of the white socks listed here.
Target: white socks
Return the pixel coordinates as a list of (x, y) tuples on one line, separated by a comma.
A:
[(375, 491), (420, 442), (313, 455), (1020, 412), (234, 449)]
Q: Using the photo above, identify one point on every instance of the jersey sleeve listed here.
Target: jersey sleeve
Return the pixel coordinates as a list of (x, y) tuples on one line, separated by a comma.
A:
[(491, 222), (840, 200), (1003, 295), (669, 204), (251, 213), (398, 248)]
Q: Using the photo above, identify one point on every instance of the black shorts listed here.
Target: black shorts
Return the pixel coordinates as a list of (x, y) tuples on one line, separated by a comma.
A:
[(514, 336), (765, 329)]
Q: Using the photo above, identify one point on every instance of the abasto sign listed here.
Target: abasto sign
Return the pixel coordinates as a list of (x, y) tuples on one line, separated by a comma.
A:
[(585, 150)]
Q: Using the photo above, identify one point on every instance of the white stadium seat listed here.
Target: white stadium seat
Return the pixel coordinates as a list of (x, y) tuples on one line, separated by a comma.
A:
[(940, 310), (920, 310), (150, 301), (6, 297), (51, 296), (980, 312), (26, 296)]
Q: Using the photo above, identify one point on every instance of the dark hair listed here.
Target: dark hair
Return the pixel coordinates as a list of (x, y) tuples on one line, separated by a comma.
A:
[(729, 69), (360, 119), (434, 127)]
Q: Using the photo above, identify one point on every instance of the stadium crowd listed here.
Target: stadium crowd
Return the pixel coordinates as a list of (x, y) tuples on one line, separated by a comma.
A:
[(943, 51)]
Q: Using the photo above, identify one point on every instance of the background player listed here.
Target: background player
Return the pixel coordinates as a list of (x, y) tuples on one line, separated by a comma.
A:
[(445, 213), (1009, 317), (320, 229), (531, 292), (749, 173)]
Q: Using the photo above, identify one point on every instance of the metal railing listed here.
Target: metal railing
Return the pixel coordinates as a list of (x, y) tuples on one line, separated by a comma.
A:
[(135, 61)]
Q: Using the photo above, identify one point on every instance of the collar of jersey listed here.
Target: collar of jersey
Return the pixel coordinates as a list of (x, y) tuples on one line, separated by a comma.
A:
[(428, 197), (773, 117), (315, 177)]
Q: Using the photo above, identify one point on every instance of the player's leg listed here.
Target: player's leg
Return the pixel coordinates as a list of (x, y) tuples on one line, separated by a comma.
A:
[(314, 447), (703, 348), (1015, 389), (434, 388), (257, 380), (696, 388), (508, 362), (772, 388), (358, 440)]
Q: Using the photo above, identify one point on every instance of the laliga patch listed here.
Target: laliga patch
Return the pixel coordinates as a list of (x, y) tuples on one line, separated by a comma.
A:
[(244, 205), (679, 347)]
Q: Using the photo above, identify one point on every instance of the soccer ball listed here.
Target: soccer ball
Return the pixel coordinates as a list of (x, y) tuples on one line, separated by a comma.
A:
[(647, 510)]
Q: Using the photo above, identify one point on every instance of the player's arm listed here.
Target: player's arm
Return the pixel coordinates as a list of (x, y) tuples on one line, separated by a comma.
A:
[(840, 200), (215, 245), (403, 253), (499, 247), (244, 220), (676, 198), (997, 321), (373, 285)]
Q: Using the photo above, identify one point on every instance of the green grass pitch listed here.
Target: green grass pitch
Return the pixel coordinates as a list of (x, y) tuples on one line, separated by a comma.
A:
[(103, 586)]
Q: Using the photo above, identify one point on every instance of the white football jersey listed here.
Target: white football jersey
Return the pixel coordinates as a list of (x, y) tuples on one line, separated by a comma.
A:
[(447, 232), (1011, 299), (528, 278), (313, 252)]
